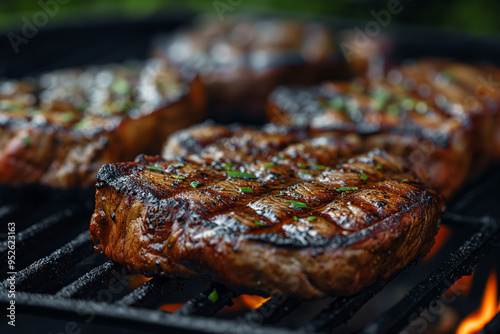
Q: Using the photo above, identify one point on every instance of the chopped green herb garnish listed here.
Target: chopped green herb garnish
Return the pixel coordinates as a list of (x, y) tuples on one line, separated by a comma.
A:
[(226, 166), (233, 173), (378, 167), (338, 102), (280, 194), (346, 188), (181, 164), (269, 165), (67, 117), (120, 86), (158, 169), (194, 184), (297, 204), (405, 181), (310, 219), (295, 218), (214, 296), (302, 165), (26, 141), (282, 157), (258, 222), (364, 177), (83, 123), (246, 190), (393, 110), (319, 167), (305, 173), (177, 176)]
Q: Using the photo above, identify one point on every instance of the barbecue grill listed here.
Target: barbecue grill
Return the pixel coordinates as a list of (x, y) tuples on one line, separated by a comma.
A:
[(59, 276)]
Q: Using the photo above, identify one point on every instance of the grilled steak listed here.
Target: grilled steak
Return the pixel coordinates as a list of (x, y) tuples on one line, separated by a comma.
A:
[(58, 130), (242, 59), (428, 111), (266, 210)]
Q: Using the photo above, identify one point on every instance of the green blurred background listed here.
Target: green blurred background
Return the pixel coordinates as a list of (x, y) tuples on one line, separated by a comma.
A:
[(478, 16)]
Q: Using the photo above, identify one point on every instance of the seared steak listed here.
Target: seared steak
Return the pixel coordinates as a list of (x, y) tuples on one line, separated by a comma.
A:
[(270, 211), (58, 130), (429, 112), (242, 59)]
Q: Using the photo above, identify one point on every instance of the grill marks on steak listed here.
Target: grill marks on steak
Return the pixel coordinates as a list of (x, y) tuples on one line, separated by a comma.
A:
[(429, 111), (334, 228)]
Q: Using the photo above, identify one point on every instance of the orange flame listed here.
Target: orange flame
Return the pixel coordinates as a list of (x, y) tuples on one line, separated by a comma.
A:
[(440, 240), (490, 305), (136, 280), (252, 301), (171, 307)]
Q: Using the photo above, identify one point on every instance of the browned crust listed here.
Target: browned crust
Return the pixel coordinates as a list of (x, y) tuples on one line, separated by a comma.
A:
[(135, 223)]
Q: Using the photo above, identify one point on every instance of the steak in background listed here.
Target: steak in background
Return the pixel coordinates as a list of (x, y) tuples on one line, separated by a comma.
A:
[(271, 211), (428, 111), (243, 58), (60, 128)]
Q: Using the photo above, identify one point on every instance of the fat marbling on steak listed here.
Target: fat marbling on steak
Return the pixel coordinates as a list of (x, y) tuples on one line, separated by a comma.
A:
[(288, 211)]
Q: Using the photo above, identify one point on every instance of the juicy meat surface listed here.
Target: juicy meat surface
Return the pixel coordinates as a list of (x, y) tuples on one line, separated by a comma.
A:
[(286, 216), (59, 129), (438, 114)]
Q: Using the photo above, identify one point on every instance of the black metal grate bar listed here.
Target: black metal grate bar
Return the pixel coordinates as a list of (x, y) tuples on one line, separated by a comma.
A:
[(460, 263), (341, 310), (205, 304), (87, 286), (37, 233), (152, 292), (272, 310), (53, 265)]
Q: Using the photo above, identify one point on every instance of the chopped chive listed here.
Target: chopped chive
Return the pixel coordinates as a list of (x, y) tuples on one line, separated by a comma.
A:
[(302, 165), (305, 173), (364, 177), (338, 102), (67, 117), (319, 167), (83, 123), (393, 110), (297, 204), (194, 184), (181, 164), (378, 167), (280, 194), (269, 165), (120, 86), (346, 188), (177, 176), (246, 190), (226, 166), (259, 223), (405, 181), (214, 296), (295, 218), (158, 169), (310, 219), (26, 141), (233, 173), (282, 157)]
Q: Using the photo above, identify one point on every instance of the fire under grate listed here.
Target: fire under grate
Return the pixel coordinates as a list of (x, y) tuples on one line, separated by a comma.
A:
[(50, 286)]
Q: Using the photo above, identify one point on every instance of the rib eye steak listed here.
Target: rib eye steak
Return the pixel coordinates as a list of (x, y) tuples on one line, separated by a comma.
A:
[(282, 216), (59, 129), (429, 111)]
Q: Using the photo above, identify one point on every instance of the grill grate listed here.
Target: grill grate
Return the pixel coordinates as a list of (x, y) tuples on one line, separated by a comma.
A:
[(57, 243), (43, 287)]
